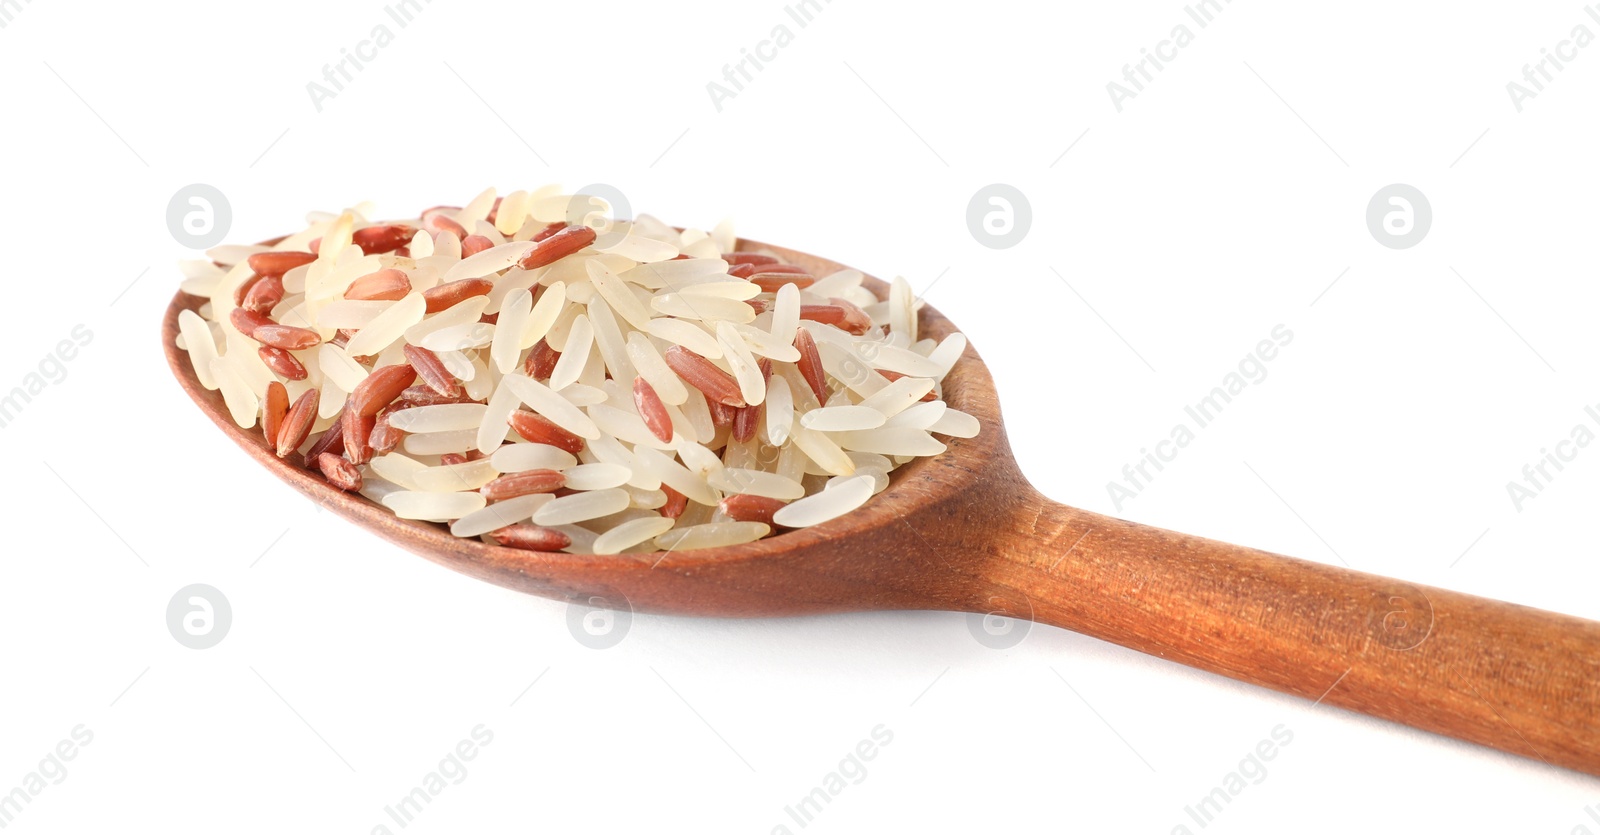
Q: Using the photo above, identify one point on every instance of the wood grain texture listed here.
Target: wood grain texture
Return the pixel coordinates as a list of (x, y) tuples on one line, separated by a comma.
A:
[(966, 532)]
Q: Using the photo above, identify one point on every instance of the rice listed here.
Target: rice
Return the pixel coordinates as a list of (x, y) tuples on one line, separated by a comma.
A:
[(499, 515), (529, 381), (439, 443), (514, 458), (842, 418), (580, 507), (847, 495), (631, 533), (433, 507), (442, 418), (712, 535), (597, 476)]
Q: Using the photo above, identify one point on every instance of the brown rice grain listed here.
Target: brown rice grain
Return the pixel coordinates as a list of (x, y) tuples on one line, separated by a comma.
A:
[(539, 429), (375, 240), (380, 388), (357, 431), (525, 483), (278, 263), (331, 440), (541, 360), (383, 285), (751, 508), (287, 337), (446, 296), (339, 472), (297, 423), (810, 364), (246, 321), (676, 503), (264, 295), (652, 410), (559, 245), (432, 371), (273, 407), (529, 537), (383, 439), (282, 363), (718, 386)]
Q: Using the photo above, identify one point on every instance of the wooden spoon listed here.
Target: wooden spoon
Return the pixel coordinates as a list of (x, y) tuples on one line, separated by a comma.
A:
[(964, 531)]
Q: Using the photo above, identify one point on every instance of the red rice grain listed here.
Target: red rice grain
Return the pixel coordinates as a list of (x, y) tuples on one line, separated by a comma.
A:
[(273, 407), (297, 423), (432, 371), (282, 363), (810, 364), (278, 263), (539, 429), (339, 472), (747, 507), (558, 246), (530, 537), (717, 385), (380, 388), (446, 296), (652, 410), (525, 483)]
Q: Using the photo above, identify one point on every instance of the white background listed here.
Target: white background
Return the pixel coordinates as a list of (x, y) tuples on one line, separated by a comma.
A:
[(1219, 203)]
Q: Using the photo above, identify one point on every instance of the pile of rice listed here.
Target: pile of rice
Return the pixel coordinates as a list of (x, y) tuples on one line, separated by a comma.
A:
[(528, 370)]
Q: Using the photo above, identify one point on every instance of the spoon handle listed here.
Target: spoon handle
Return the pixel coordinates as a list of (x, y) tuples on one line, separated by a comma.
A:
[(1518, 679)]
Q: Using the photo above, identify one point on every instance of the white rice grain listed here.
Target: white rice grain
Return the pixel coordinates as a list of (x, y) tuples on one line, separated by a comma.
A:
[(629, 534), (433, 507), (541, 399), (757, 483), (597, 476), (842, 418), (202, 347), (447, 417), (506, 349), (499, 515), (849, 494), (714, 535), (579, 507)]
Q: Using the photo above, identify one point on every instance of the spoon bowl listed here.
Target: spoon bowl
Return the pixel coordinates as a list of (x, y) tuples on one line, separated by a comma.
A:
[(964, 531)]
